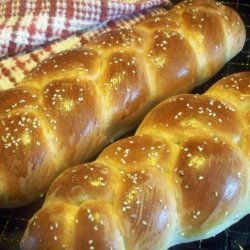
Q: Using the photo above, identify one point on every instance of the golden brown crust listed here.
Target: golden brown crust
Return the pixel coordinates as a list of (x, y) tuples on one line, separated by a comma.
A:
[(171, 57), (184, 176), (210, 176), (202, 114), (93, 181), (58, 230), (78, 101)]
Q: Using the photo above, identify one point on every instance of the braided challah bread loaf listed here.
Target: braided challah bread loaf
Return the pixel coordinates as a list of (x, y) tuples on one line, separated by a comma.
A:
[(184, 176), (75, 103)]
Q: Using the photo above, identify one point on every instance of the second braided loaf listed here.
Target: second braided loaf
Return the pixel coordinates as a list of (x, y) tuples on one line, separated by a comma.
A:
[(184, 176)]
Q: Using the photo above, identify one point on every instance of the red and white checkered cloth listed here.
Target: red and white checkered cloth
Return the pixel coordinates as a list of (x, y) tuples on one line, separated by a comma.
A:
[(27, 24)]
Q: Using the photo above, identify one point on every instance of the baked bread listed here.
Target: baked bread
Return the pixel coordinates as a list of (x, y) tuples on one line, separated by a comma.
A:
[(184, 176), (72, 105)]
